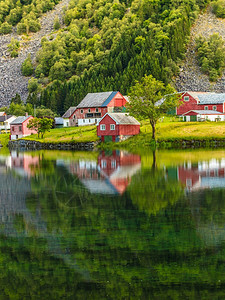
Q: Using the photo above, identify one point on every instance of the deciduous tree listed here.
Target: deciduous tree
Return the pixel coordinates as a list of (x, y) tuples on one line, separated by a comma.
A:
[(151, 99)]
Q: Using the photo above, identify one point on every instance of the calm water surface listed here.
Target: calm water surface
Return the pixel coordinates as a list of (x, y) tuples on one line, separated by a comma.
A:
[(116, 225)]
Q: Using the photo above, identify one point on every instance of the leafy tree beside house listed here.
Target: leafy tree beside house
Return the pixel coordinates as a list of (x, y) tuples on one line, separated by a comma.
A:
[(151, 99), (41, 125)]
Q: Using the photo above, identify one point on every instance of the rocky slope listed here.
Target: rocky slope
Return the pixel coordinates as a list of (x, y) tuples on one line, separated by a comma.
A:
[(11, 79), (191, 78)]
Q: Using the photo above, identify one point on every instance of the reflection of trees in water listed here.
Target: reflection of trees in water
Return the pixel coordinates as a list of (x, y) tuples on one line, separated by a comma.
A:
[(151, 190), (208, 210), (128, 252)]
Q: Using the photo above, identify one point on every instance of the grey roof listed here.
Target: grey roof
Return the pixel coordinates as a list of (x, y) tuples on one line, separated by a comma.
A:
[(94, 99), (122, 118), (58, 121), (4, 118), (205, 112), (20, 120), (211, 98), (69, 112), (208, 98)]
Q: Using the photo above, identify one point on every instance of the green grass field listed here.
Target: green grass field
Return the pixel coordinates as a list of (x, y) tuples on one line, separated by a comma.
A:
[(68, 135), (169, 129)]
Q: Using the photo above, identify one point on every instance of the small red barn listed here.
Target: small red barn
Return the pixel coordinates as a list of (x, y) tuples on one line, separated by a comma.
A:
[(18, 128), (117, 127)]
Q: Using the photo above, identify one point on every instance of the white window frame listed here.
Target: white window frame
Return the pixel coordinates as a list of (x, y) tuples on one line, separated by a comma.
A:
[(186, 98), (112, 127), (206, 108), (96, 109), (89, 110), (102, 127), (214, 107)]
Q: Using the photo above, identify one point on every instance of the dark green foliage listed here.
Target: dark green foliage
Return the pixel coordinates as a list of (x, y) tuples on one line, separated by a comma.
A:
[(14, 47), (211, 55), (219, 8), (27, 67), (25, 13), (5, 28), (107, 46)]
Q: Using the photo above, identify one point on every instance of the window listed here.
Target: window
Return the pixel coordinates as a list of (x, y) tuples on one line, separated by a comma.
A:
[(13, 128), (89, 110), (206, 108), (103, 164), (214, 108), (113, 164), (96, 109), (83, 120), (112, 127), (186, 98), (102, 127), (20, 128), (81, 111), (74, 116)]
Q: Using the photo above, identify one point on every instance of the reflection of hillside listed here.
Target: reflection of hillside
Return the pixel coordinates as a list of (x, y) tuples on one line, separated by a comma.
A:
[(208, 211)]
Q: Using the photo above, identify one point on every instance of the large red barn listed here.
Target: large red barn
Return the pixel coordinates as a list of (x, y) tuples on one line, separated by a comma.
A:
[(201, 101), (117, 127)]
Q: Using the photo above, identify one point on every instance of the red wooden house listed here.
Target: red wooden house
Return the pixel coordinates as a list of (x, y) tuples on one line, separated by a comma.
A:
[(212, 103), (95, 105), (117, 127), (18, 128)]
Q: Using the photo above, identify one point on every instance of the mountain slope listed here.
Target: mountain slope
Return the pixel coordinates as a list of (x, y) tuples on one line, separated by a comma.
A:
[(11, 79), (190, 77)]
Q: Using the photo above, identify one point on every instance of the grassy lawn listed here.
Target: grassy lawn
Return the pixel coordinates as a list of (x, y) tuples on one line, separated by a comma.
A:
[(4, 139), (168, 130), (68, 135)]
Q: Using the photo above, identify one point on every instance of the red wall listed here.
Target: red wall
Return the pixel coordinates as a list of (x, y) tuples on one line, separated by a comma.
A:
[(192, 105), (187, 105), (119, 129), (24, 131), (117, 101), (107, 121), (129, 129), (79, 115), (219, 107)]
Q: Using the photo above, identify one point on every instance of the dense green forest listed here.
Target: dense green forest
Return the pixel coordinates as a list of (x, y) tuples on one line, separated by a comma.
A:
[(24, 13), (107, 45)]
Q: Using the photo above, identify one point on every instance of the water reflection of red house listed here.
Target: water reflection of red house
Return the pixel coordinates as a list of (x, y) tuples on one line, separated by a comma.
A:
[(111, 174), (119, 168), (23, 163), (204, 175)]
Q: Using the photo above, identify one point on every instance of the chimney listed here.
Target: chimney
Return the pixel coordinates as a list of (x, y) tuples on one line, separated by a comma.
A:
[(26, 114)]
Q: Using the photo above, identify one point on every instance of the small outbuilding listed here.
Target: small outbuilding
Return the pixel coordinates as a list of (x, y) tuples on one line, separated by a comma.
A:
[(116, 127), (18, 128), (203, 115)]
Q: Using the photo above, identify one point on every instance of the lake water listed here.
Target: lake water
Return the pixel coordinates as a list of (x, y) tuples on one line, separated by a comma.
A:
[(112, 225)]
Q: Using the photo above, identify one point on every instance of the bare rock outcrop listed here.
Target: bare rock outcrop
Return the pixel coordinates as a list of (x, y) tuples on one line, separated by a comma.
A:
[(191, 77), (11, 79)]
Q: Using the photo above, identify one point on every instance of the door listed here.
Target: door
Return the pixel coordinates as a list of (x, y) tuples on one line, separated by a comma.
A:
[(108, 138)]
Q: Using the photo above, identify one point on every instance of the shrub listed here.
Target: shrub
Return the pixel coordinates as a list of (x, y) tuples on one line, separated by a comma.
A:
[(211, 55), (5, 28), (56, 23), (219, 8), (27, 67), (14, 47)]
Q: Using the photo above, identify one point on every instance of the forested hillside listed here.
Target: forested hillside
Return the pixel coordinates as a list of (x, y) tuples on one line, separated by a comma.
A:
[(107, 45), (24, 13), (102, 45)]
